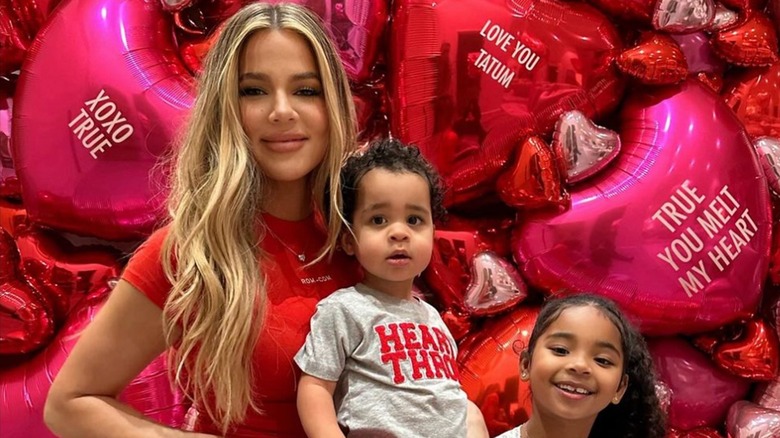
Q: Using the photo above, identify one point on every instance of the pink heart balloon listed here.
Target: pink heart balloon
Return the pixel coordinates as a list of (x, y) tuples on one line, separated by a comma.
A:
[(768, 149), (768, 394), (701, 392), (585, 147), (121, 92), (677, 230), (495, 285), (471, 79), (748, 420)]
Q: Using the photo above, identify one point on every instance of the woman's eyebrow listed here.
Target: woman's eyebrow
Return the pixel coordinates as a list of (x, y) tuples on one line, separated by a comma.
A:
[(264, 77)]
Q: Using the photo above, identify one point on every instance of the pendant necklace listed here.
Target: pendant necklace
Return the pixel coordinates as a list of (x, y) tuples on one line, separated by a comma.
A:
[(301, 256)]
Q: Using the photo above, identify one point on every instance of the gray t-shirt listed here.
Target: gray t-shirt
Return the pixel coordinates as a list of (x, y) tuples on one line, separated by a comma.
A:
[(394, 361), (511, 433)]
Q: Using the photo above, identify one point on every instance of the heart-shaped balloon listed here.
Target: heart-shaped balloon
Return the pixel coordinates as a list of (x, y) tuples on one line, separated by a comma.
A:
[(696, 432), (698, 53), (713, 81), (751, 42), (489, 364), (768, 149), (768, 394), (773, 8), (701, 392), (475, 77), (754, 95), (681, 246), (535, 179), (448, 272), (494, 287), (745, 4), (683, 16), (458, 323), (656, 59), (754, 355), (122, 93), (493, 230), (584, 146), (724, 18), (9, 183), (13, 217), (748, 420), (639, 11)]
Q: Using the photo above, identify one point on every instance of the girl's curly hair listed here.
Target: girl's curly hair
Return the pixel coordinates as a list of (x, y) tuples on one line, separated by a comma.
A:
[(639, 413)]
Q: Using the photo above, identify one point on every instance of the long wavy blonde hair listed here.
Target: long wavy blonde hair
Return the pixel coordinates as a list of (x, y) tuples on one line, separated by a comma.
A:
[(211, 254)]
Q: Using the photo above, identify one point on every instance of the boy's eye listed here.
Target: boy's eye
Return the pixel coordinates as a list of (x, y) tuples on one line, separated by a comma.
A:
[(250, 91), (378, 220), (414, 220)]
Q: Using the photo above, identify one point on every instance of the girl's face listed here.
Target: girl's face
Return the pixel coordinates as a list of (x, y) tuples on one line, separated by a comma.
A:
[(576, 368), (283, 108)]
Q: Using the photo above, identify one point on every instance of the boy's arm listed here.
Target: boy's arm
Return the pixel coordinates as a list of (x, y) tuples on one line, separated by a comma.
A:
[(316, 409)]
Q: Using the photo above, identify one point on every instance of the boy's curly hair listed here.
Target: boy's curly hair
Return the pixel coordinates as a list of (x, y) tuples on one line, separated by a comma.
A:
[(639, 413), (395, 156)]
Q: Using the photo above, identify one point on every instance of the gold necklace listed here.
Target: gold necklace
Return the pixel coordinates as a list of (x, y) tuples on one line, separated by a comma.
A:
[(299, 255)]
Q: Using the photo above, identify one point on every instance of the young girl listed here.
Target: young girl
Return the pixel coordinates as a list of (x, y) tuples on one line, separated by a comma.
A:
[(590, 374), (234, 277), (386, 356)]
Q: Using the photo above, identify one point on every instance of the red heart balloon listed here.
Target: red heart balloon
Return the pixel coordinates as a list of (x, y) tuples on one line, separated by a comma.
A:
[(754, 95), (489, 362), (697, 432), (493, 231), (471, 79), (755, 355), (655, 59), (458, 323), (681, 247), (448, 272), (535, 179), (750, 42)]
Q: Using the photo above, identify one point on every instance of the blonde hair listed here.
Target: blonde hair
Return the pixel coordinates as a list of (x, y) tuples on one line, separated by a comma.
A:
[(211, 254)]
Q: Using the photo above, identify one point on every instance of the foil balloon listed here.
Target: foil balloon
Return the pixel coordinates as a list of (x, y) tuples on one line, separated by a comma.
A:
[(681, 248), (767, 394), (712, 80), (470, 80), (656, 59), (774, 12), (122, 93), (639, 11), (535, 179), (494, 287), (768, 149), (489, 362), (754, 95), (701, 392), (9, 183), (748, 420), (585, 147), (753, 355), (152, 394), (756, 5), (492, 231), (751, 42), (175, 5), (13, 217), (357, 28), (458, 323), (684, 16), (724, 18), (63, 274), (448, 272), (698, 52), (697, 432)]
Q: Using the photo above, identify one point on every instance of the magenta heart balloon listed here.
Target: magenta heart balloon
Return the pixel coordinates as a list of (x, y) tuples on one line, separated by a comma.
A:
[(676, 230), (98, 101), (701, 392), (470, 79)]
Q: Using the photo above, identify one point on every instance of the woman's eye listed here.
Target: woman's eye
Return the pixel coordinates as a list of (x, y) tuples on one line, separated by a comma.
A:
[(250, 91), (308, 92), (377, 220)]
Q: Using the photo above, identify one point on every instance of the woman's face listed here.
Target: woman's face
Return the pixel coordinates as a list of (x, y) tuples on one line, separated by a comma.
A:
[(283, 107)]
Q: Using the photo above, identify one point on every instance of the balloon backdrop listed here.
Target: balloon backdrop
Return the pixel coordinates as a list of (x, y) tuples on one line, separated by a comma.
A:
[(681, 246), (701, 392), (471, 79), (121, 93)]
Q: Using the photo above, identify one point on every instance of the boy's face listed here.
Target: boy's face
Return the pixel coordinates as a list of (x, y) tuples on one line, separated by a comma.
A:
[(393, 230)]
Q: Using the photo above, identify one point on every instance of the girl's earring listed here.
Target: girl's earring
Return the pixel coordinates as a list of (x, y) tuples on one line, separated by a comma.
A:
[(524, 375), (616, 400)]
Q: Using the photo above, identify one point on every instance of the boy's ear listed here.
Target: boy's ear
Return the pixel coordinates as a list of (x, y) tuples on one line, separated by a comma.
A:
[(621, 390), (348, 242)]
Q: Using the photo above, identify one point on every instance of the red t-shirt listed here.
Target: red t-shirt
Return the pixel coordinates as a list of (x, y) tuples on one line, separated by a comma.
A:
[(293, 293)]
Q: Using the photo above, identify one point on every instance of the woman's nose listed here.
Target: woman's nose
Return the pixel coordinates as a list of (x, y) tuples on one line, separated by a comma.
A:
[(282, 110)]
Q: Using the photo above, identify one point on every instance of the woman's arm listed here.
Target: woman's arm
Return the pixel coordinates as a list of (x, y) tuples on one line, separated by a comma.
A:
[(125, 336), (316, 409)]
